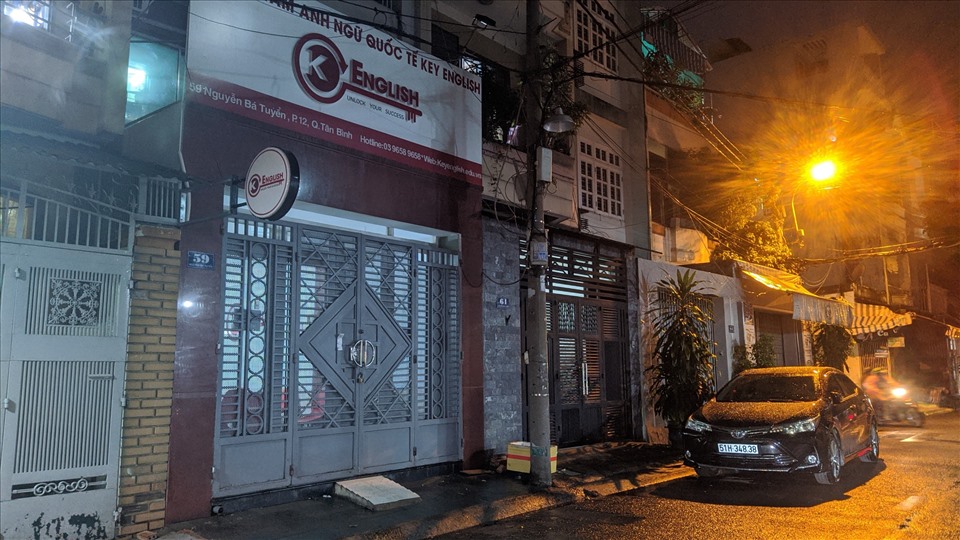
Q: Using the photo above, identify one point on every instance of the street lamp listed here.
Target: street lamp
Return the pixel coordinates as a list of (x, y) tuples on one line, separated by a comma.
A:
[(819, 171), (822, 171)]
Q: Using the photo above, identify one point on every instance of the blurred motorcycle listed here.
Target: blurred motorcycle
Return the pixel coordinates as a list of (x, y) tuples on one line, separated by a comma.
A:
[(900, 409)]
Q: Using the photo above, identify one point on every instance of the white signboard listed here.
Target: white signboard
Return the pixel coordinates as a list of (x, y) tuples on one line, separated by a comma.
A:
[(302, 67), (272, 182)]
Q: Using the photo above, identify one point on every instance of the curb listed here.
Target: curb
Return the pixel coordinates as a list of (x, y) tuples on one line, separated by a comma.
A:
[(931, 410), (485, 514)]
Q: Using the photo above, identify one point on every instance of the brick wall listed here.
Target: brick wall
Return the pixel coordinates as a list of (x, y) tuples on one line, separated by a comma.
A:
[(502, 391), (151, 345)]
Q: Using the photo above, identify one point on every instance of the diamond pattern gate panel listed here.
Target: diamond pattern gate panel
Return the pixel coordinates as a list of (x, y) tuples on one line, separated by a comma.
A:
[(361, 346), (327, 413), (379, 355), (363, 364), (386, 391)]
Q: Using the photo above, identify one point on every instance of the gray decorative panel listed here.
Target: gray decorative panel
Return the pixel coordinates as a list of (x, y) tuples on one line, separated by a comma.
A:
[(65, 418), (73, 303), (58, 487)]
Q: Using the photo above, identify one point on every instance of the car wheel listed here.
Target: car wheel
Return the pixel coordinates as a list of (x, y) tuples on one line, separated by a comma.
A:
[(833, 464), (915, 418), (874, 441), (705, 471)]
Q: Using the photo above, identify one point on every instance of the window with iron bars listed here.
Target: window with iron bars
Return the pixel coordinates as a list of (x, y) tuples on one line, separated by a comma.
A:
[(601, 179), (596, 33), (390, 4), (500, 100)]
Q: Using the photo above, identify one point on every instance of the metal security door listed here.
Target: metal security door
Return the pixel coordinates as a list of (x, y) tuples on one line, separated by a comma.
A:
[(253, 443), (587, 341), (357, 318), (340, 357), (62, 352), (587, 349)]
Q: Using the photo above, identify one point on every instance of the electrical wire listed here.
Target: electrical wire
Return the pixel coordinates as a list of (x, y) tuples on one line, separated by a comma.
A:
[(710, 133), (710, 229), (893, 247), (377, 10), (679, 10), (673, 12), (920, 249)]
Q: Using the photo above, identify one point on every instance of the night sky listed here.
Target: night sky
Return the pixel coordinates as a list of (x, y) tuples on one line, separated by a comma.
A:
[(922, 38), (921, 74)]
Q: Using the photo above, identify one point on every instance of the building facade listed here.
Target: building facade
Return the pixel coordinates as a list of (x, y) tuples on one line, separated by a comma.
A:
[(327, 343), (89, 281), (277, 244)]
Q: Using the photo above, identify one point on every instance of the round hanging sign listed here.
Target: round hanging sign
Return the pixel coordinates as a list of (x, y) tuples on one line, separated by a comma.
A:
[(272, 183)]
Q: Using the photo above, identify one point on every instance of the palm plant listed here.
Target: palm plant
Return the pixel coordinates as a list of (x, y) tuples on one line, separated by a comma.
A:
[(683, 374)]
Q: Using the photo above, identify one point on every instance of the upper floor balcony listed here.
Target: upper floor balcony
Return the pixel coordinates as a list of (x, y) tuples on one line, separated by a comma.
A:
[(64, 61), (77, 22)]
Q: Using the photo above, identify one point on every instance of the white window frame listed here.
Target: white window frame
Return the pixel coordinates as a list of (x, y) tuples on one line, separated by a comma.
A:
[(600, 178), (595, 27)]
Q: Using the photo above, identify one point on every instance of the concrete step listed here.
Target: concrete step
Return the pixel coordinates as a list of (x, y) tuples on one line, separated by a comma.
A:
[(375, 493)]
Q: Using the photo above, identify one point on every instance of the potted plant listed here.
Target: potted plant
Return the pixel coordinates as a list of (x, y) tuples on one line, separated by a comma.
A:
[(760, 354), (763, 353), (683, 373), (741, 358), (831, 344)]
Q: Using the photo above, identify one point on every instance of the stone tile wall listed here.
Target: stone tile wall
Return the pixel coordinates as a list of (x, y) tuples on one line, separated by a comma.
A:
[(502, 354)]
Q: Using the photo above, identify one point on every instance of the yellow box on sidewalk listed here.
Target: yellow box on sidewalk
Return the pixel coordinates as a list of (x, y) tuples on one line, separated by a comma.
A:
[(518, 457)]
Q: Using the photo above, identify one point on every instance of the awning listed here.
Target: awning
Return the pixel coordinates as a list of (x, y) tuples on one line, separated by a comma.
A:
[(81, 155), (869, 318), (806, 305)]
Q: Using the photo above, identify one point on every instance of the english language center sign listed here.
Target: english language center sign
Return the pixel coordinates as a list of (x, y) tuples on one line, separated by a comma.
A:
[(299, 66)]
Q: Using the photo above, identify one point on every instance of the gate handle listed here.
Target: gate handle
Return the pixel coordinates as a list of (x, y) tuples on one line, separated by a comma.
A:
[(584, 378), (363, 353)]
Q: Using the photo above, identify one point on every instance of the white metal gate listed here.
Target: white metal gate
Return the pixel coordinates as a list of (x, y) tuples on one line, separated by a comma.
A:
[(62, 352), (340, 356)]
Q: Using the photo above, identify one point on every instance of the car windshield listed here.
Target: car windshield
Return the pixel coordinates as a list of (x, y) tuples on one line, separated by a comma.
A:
[(753, 388)]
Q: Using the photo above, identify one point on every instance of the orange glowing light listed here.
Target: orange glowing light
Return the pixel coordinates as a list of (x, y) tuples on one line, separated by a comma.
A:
[(823, 170)]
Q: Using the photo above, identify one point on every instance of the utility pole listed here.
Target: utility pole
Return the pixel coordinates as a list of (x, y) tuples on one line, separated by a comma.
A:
[(538, 376)]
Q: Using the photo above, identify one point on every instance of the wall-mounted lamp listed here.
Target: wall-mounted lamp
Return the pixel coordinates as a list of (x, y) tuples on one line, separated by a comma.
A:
[(558, 122), (482, 22)]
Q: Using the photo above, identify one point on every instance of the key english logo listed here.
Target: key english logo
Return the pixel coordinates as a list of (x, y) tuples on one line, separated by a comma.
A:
[(319, 66), (324, 75), (272, 183)]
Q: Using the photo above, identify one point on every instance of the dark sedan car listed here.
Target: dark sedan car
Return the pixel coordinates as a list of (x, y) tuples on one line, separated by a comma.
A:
[(783, 419)]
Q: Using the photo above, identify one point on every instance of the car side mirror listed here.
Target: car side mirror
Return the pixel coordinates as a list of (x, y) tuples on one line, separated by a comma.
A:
[(835, 397)]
